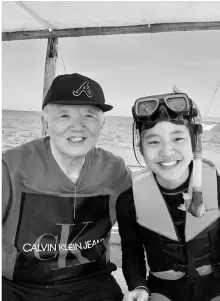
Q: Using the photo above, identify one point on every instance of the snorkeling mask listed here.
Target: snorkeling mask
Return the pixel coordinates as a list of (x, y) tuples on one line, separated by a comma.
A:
[(152, 109), (179, 109)]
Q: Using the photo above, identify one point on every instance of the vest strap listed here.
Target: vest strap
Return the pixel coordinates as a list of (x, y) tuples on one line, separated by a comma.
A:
[(175, 275)]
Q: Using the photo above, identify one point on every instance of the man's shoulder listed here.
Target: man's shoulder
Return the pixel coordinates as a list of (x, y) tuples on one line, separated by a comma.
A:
[(112, 167), (23, 150), (107, 155)]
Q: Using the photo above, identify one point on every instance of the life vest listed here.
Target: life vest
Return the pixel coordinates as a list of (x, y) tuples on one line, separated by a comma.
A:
[(164, 249)]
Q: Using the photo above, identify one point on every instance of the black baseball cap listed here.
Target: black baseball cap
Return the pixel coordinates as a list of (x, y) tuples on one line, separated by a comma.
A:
[(76, 89)]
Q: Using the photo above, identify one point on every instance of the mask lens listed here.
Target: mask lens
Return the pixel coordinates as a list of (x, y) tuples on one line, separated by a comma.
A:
[(146, 108), (177, 104)]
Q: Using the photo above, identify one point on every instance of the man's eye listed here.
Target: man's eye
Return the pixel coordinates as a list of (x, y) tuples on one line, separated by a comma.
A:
[(89, 116), (178, 139)]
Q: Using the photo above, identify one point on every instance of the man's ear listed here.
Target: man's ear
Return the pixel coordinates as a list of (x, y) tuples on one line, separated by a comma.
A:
[(103, 122), (44, 121), (44, 125)]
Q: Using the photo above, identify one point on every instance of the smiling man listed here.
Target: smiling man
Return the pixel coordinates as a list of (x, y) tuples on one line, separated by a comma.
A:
[(59, 195)]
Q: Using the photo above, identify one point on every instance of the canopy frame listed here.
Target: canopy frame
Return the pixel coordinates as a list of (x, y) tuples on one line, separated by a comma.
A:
[(110, 30)]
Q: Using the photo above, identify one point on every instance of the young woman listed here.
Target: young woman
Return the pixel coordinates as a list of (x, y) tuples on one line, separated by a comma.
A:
[(171, 214)]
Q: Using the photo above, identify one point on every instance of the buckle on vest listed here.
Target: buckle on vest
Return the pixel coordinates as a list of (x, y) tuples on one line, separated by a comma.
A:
[(175, 245)]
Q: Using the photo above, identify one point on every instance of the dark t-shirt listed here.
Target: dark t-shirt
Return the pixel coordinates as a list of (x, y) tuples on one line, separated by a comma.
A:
[(55, 230)]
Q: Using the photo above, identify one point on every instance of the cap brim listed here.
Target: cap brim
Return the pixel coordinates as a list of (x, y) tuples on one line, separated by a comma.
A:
[(103, 107)]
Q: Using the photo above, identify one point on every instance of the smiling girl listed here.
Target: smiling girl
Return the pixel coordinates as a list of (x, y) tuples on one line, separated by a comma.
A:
[(171, 214)]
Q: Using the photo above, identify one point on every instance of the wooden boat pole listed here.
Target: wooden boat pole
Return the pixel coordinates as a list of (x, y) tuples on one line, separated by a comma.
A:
[(111, 30), (50, 63)]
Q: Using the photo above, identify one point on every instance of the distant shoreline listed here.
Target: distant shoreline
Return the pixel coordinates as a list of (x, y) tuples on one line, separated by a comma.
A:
[(206, 120), (5, 110)]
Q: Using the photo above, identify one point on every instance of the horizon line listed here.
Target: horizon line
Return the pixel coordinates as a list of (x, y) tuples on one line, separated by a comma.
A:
[(34, 111)]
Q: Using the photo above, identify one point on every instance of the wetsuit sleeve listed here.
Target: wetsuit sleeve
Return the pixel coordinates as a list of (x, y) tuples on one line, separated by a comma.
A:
[(218, 187), (133, 258), (6, 191)]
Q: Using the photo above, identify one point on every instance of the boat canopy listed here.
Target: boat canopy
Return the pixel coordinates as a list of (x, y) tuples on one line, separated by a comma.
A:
[(37, 19)]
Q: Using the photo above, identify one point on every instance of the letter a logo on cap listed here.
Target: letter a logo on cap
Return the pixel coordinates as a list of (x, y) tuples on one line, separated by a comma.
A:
[(83, 88)]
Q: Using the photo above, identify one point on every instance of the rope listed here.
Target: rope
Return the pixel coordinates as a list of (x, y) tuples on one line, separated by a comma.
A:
[(212, 99), (5, 50), (64, 67), (34, 14)]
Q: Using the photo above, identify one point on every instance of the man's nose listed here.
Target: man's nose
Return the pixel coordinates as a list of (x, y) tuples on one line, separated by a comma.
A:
[(76, 123)]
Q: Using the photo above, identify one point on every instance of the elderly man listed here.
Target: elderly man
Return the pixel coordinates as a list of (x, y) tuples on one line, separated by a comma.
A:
[(59, 195)]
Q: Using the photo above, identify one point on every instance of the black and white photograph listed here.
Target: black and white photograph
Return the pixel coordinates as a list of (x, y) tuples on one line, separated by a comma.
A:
[(110, 150)]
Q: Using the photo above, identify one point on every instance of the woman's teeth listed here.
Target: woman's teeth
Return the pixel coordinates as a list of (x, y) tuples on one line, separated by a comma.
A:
[(75, 139), (168, 163)]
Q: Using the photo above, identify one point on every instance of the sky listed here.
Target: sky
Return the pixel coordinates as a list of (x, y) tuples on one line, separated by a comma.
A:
[(126, 66)]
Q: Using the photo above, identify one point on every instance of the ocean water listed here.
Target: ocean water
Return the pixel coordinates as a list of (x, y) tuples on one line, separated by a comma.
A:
[(19, 127)]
